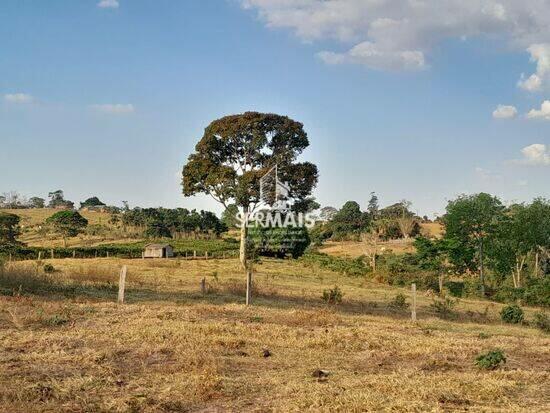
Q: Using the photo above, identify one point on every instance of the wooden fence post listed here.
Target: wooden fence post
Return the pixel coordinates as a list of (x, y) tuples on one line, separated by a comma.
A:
[(74, 253), (39, 255), (107, 254), (122, 285), (248, 287), (194, 254), (440, 284), (203, 285), (413, 307), (206, 255), (10, 257)]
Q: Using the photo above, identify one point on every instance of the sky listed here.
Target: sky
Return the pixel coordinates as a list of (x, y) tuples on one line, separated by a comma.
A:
[(412, 99)]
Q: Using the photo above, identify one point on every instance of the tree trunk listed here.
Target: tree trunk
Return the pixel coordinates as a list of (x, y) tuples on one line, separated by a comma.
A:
[(481, 274), (536, 264), (244, 236), (64, 242), (440, 284)]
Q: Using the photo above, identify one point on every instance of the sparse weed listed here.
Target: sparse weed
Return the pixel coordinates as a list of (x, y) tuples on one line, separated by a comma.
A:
[(444, 308), (333, 296), (399, 302)]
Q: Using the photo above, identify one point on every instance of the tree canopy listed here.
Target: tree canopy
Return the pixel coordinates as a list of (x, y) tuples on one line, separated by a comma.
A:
[(91, 202), (237, 150), (67, 223)]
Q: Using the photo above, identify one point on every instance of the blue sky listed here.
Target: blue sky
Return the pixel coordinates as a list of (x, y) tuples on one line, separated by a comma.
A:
[(111, 100)]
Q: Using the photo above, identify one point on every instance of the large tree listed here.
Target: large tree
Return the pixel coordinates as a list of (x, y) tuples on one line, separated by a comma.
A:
[(9, 228), (37, 202), (471, 220), (57, 200), (67, 224), (236, 151), (349, 221)]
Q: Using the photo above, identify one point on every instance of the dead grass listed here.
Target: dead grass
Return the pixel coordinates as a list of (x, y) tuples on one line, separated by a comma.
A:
[(171, 348)]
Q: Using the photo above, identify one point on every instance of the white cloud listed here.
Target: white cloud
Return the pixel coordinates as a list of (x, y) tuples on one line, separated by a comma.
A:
[(543, 113), (400, 34), (536, 154), (540, 53), (18, 98), (108, 4), (371, 55), (505, 112), (117, 109)]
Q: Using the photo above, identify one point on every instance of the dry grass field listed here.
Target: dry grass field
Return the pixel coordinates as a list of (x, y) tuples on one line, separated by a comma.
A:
[(66, 346), (354, 249)]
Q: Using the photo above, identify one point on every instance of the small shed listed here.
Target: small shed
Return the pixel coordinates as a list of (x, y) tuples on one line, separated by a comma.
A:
[(158, 251)]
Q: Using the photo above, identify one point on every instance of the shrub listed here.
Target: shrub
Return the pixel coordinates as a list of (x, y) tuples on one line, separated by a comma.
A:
[(490, 360), (512, 314), (399, 302), (333, 296), (537, 292), (456, 288), (542, 321), (57, 320), (443, 308), (353, 267), (49, 268)]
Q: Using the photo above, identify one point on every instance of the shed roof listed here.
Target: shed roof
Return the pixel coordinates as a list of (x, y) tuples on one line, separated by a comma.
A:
[(158, 246)]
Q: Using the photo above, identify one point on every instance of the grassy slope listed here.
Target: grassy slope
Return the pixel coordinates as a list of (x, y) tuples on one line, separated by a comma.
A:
[(31, 219), (172, 349)]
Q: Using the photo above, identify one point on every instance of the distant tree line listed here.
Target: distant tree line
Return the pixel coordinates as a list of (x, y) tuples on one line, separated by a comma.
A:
[(170, 223), (350, 222)]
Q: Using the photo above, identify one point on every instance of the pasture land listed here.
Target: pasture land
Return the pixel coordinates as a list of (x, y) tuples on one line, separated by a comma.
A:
[(66, 345)]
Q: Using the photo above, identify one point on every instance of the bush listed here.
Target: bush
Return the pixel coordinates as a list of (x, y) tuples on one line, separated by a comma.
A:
[(512, 314), (399, 302), (353, 267), (49, 268), (333, 296), (537, 292), (404, 269), (542, 321), (490, 360), (443, 308), (456, 288)]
